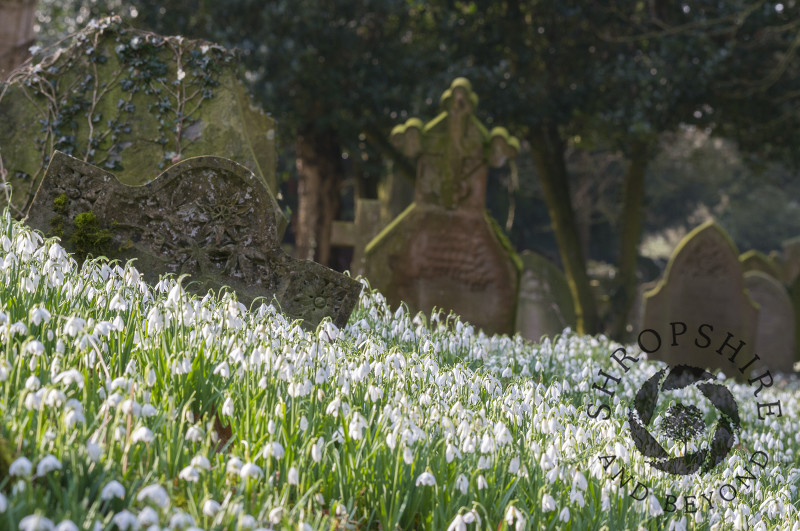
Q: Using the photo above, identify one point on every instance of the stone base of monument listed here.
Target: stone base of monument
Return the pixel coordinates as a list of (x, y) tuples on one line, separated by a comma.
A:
[(432, 257)]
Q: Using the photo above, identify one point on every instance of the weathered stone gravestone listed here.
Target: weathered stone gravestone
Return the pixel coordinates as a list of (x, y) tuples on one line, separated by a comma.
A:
[(358, 233), (545, 306), (791, 260), (131, 102), (775, 332), (703, 284), (757, 261), (444, 250), (206, 216)]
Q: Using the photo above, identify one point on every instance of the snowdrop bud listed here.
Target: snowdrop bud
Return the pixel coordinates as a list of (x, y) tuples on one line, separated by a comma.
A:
[(293, 476), (227, 407), (211, 508), (482, 484), (462, 483)]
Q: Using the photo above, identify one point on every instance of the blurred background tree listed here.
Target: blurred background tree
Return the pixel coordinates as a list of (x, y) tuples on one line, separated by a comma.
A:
[(620, 106)]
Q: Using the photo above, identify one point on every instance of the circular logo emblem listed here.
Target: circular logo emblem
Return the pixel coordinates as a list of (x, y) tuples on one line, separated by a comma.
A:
[(682, 423)]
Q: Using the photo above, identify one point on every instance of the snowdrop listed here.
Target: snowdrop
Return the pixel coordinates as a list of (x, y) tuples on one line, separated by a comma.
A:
[(112, 489), (155, 494), (21, 467), (35, 522), (47, 464), (251, 470), (426, 479)]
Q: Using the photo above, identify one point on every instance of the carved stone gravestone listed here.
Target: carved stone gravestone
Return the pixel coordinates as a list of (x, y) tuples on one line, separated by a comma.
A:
[(131, 102), (775, 331), (358, 233), (703, 284), (757, 261), (545, 305), (206, 216), (444, 250), (16, 32), (791, 260)]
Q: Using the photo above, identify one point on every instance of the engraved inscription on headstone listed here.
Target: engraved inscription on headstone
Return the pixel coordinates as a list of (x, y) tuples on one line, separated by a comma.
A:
[(206, 216)]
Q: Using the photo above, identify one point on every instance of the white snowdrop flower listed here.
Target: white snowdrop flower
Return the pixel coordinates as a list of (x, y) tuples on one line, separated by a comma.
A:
[(316, 450), (576, 497), (20, 467), (94, 450), (408, 457), (142, 434), (227, 407), (74, 326), (69, 377), (112, 489), (125, 520), (654, 506), (251, 470), (374, 393), (274, 449), (151, 378), (119, 433), (548, 503), (118, 323), (451, 452), (66, 525), (154, 494), (202, 462), (35, 522), (3, 503), (32, 383), (487, 444), (147, 517), (426, 479), (130, 407), (247, 521), (190, 474), (5, 368), (514, 517), (482, 484), (54, 398), (271, 427), (294, 476), (148, 410), (275, 515), (333, 407), (180, 520), (462, 483), (194, 434), (513, 466), (47, 464), (182, 366), (357, 424), (223, 370), (211, 508), (155, 321), (234, 465), (303, 423), (34, 348), (564, 514), (457, 524)]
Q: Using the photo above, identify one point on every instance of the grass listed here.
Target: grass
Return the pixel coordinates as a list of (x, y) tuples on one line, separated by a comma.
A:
[(125, 406)]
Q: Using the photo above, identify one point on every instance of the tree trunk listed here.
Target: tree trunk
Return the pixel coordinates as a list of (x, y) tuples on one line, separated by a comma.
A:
[(631, 216), (320, 175), (548, 150), (16, 33)]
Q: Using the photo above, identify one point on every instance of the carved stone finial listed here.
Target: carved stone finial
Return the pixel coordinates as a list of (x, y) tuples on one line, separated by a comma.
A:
[(206, 216)]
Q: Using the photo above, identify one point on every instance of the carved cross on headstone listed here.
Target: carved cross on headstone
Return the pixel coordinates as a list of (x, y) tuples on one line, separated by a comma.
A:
[(454, 149), (206, 216), (357, 233)]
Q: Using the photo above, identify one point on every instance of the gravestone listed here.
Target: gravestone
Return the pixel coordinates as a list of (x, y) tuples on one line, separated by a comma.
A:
[(545, 306), (791, 260), (358, 233), (703, 284), (757, 261), (794, 293), (206, 216), (131, 102), (775, 335), (444, 250)]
